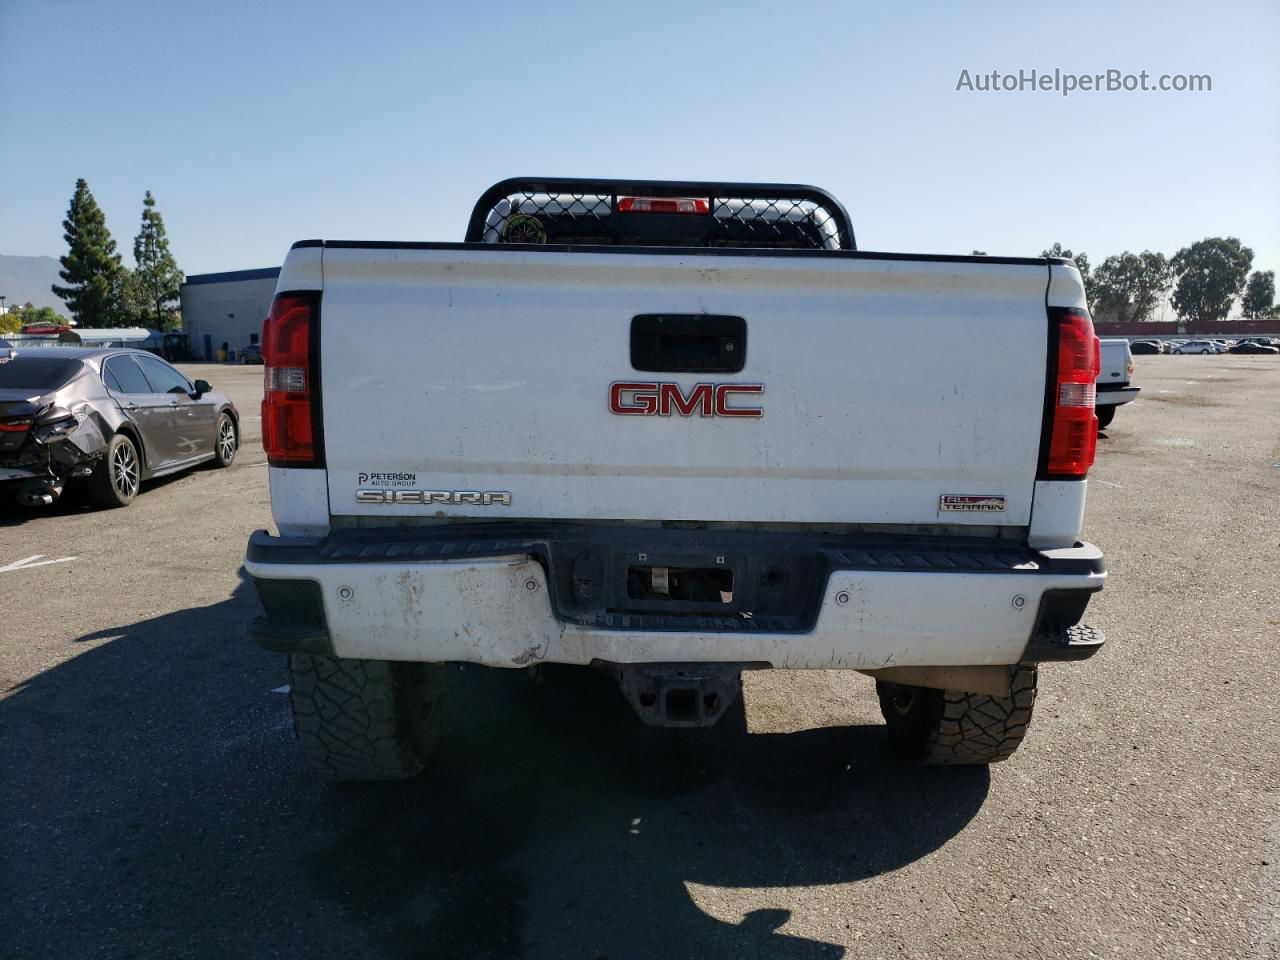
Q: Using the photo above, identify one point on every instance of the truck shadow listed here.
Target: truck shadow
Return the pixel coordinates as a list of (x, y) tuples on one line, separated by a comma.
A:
[(161, 810)]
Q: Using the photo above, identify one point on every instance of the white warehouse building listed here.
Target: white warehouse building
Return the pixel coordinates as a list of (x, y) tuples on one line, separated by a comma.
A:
[(226, 310)]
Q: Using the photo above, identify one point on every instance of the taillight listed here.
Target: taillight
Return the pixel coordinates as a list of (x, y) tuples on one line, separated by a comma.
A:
[(291, 425), (663, 205), (1072, 425), (14, 426)]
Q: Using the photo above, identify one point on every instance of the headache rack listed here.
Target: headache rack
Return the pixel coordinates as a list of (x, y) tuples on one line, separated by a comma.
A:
[(562, 210)]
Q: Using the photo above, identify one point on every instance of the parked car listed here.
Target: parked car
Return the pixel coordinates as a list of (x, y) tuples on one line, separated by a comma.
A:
[(44, 327), (1144, 347), (1113, 387), (109, 417), (1200, 346), (668, 494), (251, 353), (1254, 347)]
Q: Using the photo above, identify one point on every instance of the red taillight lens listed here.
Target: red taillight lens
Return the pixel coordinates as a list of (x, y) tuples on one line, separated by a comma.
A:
[(1073, 426), (291, 399), (14, 426), (663, 205)]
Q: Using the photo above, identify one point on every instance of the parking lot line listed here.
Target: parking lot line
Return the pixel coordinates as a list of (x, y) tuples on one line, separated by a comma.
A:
[(27, 563)]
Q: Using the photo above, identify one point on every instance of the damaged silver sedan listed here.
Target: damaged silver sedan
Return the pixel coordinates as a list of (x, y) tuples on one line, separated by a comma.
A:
[(111, 418)]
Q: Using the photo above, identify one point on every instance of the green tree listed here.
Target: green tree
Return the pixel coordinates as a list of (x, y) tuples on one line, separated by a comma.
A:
[(1211, 274), (1082, 264), (156, 277), (90, 267), (1259, 294), (134, 301), (1129, 286)]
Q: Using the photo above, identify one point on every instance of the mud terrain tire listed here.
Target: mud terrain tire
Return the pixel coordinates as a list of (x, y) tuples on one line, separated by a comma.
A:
[(952, 727), (365, 719)]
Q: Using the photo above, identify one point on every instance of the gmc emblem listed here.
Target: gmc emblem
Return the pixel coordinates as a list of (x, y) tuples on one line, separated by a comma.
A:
[(647, 399)]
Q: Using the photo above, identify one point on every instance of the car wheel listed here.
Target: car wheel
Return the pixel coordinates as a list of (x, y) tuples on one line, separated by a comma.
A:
[(226, 441), (1203, 352), (118, 475), (1105, 416)]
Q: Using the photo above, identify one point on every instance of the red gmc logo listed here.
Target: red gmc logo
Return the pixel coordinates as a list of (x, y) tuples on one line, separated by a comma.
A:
[(648, 399)]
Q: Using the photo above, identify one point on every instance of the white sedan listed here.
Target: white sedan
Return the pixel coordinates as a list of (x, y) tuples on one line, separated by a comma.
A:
[(1199, 346)]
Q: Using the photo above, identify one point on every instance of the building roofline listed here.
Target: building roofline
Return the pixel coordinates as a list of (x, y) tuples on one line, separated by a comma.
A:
[(232, 276)]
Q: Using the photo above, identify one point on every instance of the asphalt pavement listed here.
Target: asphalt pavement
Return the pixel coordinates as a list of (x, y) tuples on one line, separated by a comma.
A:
[(153, 805)]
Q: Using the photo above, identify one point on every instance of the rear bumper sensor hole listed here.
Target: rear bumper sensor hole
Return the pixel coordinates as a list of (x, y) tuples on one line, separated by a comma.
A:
[(681, 584)]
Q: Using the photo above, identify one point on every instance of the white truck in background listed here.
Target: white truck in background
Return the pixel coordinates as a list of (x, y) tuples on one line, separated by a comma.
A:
[(1114, 376), (654, 428)]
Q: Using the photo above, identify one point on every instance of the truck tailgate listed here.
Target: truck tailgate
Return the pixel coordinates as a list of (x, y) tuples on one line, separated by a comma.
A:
[(888, 384)]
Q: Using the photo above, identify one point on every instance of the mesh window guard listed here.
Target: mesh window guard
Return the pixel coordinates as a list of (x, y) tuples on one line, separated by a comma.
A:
[(660, 213)]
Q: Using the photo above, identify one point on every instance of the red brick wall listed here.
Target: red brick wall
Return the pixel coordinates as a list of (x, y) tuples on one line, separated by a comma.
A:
[(1228, 328)]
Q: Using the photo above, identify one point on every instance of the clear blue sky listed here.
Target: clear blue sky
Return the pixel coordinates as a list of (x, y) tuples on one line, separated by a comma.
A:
[(257, 124)]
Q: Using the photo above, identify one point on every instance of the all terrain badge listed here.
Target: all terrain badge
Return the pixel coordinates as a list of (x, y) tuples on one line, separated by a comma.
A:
[(958, 503)]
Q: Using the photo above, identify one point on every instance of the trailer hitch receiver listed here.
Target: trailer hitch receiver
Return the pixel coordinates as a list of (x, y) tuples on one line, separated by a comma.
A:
[(678, 694)]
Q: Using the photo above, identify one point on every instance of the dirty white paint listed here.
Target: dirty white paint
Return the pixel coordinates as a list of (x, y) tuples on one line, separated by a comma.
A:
[(1057, 513), (845, 436), (34, 560), (496, 612)]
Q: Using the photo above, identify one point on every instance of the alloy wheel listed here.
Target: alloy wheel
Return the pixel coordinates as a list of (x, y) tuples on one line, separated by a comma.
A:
[(124, 470), (226, 440)]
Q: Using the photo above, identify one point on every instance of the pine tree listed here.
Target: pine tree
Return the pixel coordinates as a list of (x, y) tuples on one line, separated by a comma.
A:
[(91, 266), (157, 275)]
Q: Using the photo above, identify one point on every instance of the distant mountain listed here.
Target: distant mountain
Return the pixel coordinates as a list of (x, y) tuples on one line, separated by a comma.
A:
[(24, 279)]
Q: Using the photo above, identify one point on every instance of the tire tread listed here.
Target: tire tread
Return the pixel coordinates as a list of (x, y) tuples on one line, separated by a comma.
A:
[(365, 719), (951, 727)]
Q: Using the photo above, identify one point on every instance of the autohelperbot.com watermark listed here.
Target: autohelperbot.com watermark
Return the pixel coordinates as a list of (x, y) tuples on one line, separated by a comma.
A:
[(1065, 83)]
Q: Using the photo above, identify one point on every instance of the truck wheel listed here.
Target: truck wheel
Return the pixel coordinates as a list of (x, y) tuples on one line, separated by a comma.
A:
[(365, 719), (115, 480), (951, 727), (1105, 416)]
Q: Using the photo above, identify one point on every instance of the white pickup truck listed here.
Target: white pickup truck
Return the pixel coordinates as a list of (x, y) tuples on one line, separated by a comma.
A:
[(1114, 375), (664, 429)]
